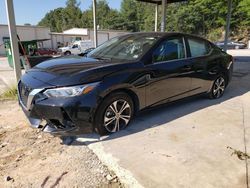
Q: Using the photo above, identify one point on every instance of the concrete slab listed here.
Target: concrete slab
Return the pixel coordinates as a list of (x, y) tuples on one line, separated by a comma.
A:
[(185, 144), (246, 112), (239, 53)]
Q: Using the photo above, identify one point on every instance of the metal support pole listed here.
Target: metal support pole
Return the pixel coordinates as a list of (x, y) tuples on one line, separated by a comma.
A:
[(229, 10), (94, 22), (13, 38), (163, 19), (156, 17)]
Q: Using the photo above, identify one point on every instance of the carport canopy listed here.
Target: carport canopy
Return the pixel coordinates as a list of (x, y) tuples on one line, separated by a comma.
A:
[(164, 4)]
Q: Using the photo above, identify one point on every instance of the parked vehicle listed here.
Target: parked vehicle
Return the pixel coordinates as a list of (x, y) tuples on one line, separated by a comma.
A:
[(231, 45), (75, 95), (76, 48), (45, 51)]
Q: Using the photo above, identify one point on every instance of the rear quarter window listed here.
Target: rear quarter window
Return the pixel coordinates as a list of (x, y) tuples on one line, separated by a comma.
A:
[(198, 47)]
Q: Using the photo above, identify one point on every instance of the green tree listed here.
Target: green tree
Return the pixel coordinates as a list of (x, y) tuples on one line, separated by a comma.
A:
[(107, 18), (54, 20), (87, 19), (72, 14), (207, 17), (103, 11), (129, 15), (63, 18), (114, 20), (201, 17)]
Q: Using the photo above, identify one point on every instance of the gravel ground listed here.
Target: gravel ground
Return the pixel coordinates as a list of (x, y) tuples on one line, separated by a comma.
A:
[(33, 159)]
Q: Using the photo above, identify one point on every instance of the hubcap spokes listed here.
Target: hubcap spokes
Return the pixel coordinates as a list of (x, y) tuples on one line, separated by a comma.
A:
[(219, 87), (117, 116)]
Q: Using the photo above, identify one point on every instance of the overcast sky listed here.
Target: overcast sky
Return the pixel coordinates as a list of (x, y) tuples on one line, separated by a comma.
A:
[(32, 11)]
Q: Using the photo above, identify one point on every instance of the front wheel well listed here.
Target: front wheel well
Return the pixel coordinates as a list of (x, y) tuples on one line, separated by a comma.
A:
[(130, 93), (69, 52)]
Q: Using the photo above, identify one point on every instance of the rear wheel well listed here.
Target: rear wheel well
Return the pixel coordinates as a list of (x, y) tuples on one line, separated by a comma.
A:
[(226, 75)]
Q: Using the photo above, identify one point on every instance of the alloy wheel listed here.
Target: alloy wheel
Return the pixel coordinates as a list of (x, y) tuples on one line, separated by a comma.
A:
[(117, 116), (219, 87)]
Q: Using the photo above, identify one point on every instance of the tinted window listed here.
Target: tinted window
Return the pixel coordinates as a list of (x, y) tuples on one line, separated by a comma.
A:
[(169, 50), (198, 47), (129, 47)]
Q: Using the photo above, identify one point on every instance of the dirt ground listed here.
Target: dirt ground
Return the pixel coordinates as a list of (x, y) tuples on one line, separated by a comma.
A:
[(33, 159)]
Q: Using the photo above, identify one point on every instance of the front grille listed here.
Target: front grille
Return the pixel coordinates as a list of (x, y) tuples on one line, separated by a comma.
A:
[(57, 124), (24, 92)]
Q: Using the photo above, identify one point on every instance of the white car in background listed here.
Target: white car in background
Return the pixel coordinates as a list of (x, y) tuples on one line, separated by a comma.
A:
[(76, 48)]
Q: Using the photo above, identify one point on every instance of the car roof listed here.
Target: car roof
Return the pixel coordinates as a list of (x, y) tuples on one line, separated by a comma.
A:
[(165, 34)]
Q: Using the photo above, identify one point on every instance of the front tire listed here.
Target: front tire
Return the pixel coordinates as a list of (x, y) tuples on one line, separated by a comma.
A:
[(114, 113), (67, 53), (218, 88)]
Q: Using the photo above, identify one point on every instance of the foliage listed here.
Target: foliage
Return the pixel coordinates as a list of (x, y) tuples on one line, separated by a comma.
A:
[(201, 17), (10, 93), (54, 20), (71, 15)]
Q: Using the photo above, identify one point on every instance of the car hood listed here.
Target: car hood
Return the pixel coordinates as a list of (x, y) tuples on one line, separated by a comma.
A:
[(73, 70)]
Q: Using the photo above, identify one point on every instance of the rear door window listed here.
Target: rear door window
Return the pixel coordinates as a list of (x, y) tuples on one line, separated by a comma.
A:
[(198, 47)]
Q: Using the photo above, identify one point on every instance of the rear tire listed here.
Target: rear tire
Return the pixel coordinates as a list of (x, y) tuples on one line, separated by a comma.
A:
[(114, 113), (218, 87)]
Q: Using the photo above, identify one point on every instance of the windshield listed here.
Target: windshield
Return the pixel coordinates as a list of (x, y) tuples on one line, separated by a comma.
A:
[(130, 47)]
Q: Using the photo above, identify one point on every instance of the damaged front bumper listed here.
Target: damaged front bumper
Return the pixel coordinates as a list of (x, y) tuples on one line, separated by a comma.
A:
[(52, 126), (64, 117), (46, 127)]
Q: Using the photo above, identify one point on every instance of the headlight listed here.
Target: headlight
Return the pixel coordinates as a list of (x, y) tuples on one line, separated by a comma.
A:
[(70, 91)]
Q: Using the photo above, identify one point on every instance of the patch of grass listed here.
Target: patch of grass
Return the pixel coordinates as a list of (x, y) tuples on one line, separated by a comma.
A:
[(10, 93)]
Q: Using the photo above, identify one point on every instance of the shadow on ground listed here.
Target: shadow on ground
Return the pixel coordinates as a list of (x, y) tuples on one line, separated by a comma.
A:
[(245, 59), (164, 114)]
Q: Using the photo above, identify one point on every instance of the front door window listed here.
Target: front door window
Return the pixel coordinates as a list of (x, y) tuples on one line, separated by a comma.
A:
[(170, 49)]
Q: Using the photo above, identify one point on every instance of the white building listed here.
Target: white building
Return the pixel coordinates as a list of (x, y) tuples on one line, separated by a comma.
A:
[(70, 35), (27, 33)]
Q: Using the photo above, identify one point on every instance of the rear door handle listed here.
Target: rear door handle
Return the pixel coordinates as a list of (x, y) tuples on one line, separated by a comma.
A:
[(187, 68), (148, 77)]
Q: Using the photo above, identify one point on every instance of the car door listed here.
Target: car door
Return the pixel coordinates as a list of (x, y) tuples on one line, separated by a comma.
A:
[(200, 58), (75, 49), (168, 74)]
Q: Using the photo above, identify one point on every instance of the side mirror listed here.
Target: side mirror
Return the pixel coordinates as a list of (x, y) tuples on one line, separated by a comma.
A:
[(83, 54), (154, 58)]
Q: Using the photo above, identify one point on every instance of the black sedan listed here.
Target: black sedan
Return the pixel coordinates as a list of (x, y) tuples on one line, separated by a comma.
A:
[(103, 91)]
